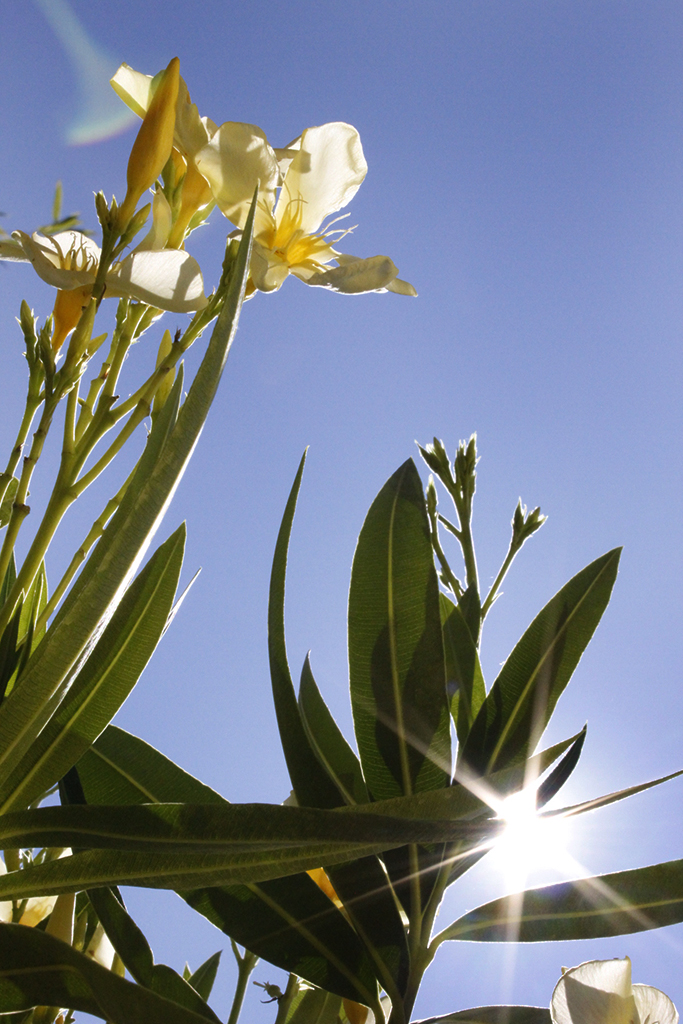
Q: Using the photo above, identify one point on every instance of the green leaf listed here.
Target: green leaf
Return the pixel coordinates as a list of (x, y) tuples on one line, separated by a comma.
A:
[(328, 743), (287, 921), (8, 582), (589, 908), (114, 561), (561, 772), (465, 680), (495, 1015), (362, 885), (396, 656), (106, 679), (315, 1006), (7, 502), (203, 978), (133, 948), (311, 784), (523, 697), (37, 969), (34, 605)]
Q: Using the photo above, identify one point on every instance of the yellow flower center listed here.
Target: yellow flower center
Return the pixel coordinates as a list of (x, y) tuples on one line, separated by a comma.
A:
[(288, 240)]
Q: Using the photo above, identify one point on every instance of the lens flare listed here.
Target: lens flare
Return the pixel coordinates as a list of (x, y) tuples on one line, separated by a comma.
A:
[(529, 842), (101, 114)]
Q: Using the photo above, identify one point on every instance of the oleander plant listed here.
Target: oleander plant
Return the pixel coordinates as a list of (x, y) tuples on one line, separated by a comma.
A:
[(341, 886)]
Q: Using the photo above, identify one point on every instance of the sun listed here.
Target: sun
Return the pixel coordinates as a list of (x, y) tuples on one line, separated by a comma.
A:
[(529, 842)]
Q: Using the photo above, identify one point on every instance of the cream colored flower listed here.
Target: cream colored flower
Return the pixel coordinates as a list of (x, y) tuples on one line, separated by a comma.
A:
[(600, 992), (36, 909), (167, 278), (318, 175)]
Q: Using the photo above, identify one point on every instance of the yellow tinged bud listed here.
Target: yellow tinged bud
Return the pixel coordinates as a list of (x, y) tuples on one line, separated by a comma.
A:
[(319, 876), (66, 313), (61, 923), (154, 142), (196, 194), (356, 1013)]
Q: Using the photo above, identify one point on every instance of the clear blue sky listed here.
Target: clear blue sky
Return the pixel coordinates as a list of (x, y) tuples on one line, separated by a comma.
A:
[(526, 164)]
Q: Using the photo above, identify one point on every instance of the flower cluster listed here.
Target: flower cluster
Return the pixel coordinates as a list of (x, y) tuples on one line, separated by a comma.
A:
[(299, 186)]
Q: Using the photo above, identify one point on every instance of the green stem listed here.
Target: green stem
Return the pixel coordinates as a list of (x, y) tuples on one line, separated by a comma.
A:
[(286, 1001), (452, 579), (133, 422), (467, 544), (96, 531), (245, 965), (33, 402), (491, 596), (20, 509)]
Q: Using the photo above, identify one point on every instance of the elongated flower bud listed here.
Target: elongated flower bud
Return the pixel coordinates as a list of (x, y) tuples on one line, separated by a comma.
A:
[(67, 312), (154, 141)]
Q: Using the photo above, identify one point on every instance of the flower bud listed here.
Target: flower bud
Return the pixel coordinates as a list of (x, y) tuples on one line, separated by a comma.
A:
[(154, 142), (67, 311), (61, 923)]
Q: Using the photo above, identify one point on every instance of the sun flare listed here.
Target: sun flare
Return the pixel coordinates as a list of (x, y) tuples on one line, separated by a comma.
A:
[(529, 842)]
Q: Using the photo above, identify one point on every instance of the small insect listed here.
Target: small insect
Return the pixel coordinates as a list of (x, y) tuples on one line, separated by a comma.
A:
[(274, 991)]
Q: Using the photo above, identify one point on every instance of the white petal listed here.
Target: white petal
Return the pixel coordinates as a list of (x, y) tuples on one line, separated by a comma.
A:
[(325, 173), (653, 1006), (235, 161), (12, 250), (37, 908), (162, 222), (134, 88), (400, 287), (268, 271), (48, 257), (356, 276), (597, 992), (191, 131), (170, 279)]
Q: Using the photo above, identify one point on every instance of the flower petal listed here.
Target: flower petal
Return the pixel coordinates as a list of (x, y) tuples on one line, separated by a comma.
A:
[(267, 270), (191, 131), (325, 173), (597, 992), (356, 276), (170, 279), (235, 161), (653, 1006), (12, 250), (66, 260), (162, 222), (134, 88), (400, 287)]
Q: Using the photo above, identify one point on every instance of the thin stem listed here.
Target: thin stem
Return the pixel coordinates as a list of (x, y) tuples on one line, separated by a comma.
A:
[(245, 965), (96, 531), (467, 544), (453, 581), (114, 448), (19, 508), (33, 402), (495, 587)]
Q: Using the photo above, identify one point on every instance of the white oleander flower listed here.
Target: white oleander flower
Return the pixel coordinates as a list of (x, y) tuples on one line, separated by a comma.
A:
[(600, 992), (318, 174), (167, 278)]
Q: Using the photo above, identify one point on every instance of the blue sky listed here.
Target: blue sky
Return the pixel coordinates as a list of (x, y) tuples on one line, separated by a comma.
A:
[(525, 165)]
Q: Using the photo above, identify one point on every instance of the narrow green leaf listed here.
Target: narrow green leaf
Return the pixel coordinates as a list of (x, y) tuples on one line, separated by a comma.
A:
[(33, 606), (495, 1015), (106, 679), (396, 658), (523, 697), (328, 742), (124, 934), (612, 798), (115, 559), (36, 968), (464, 678), (316, 1006), (589, 908), (225, 831), (203, 978), (363, 885), (561, 772), (287, 921), (311, 784)]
